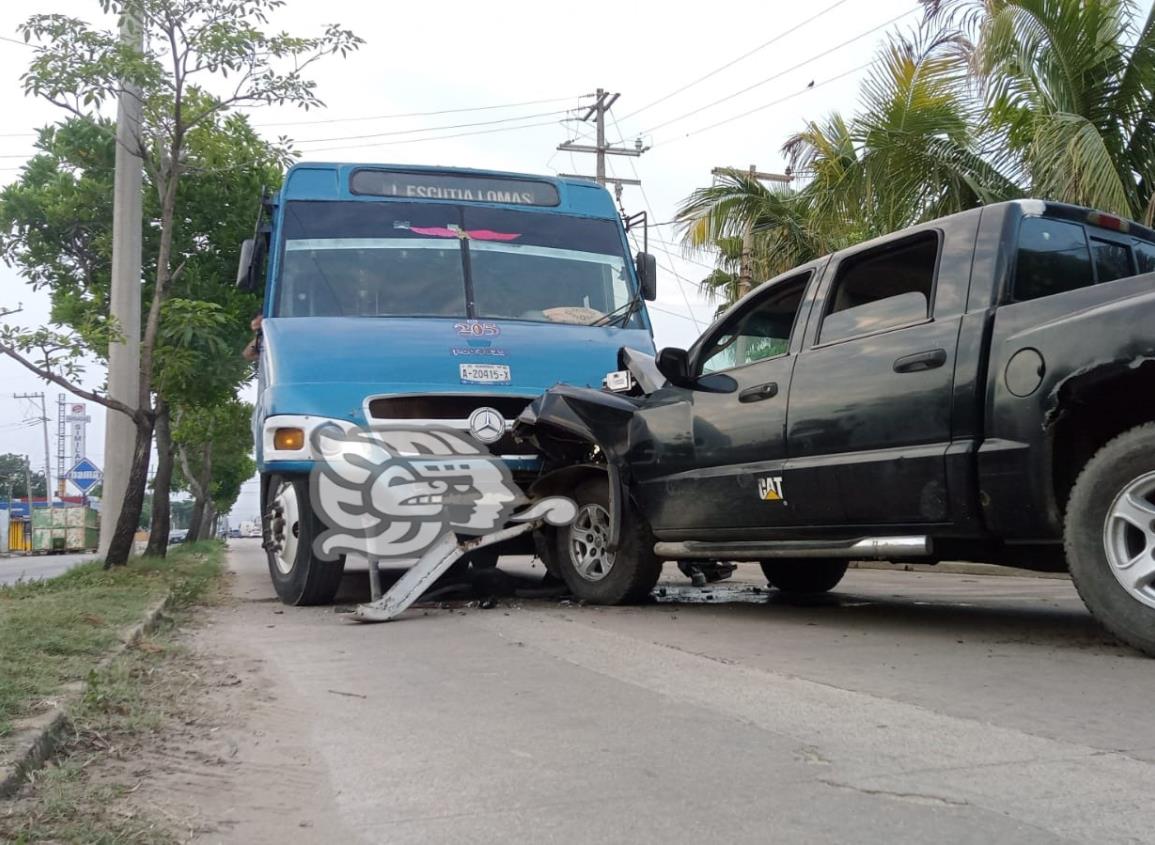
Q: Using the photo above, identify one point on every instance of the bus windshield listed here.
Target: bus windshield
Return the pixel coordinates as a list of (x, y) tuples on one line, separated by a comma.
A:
[(384, 259)]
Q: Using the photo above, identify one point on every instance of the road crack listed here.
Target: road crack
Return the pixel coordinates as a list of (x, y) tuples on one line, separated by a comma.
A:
[(909, 797)]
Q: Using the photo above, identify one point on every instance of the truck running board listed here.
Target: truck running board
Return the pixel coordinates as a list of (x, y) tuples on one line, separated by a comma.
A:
[(866, 548)]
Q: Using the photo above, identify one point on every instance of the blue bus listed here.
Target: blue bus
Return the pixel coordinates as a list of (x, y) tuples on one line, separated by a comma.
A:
[(425, 296)]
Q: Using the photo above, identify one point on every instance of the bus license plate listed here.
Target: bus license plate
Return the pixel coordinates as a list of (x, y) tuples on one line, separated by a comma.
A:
[(485, 374)]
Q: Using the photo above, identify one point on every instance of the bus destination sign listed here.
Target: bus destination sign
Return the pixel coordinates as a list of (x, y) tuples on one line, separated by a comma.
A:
[(452, 186)]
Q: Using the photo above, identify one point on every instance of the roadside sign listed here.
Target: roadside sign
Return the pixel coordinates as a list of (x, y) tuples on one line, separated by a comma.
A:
[(84, 476)]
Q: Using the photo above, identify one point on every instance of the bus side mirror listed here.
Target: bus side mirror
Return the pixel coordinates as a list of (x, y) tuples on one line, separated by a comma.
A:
[(251, 266), (647, 267), (245, 265)]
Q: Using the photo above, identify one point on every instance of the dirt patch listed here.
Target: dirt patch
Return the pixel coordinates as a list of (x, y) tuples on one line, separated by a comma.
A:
[(181, 740)]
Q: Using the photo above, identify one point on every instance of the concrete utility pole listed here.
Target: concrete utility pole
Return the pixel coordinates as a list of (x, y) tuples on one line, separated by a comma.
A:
[(47, 452), (746, 265), (60, 437), (598, 112), (28, 482), (124, 301)]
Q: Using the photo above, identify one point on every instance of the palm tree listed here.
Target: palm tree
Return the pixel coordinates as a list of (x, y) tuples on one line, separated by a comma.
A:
[(910, 154), (1069, 87), (720, 216)]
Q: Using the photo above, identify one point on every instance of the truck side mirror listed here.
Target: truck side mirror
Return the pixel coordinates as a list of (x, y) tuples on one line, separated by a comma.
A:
[(674, 364), (245, 265), (647, 267)]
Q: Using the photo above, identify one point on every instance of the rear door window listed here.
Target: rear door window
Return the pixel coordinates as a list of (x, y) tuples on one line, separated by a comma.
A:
[(1053, 258), (1112, 259), (1144, 256), (883, 288)]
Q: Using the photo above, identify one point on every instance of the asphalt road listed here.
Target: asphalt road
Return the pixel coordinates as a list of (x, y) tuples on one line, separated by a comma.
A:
[(905, 707), (36, 567)]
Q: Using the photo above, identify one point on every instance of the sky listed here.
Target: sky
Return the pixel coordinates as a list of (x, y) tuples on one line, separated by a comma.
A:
[(707, 85)]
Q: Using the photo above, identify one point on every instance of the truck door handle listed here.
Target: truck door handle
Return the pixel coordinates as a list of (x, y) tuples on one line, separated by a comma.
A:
[(920, 361), (760, 392)]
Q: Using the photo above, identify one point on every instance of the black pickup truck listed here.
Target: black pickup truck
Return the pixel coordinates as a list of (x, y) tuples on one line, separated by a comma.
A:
[(979, 387)]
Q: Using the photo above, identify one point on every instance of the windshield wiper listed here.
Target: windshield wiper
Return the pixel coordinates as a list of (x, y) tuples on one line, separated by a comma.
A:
[(615, 316)]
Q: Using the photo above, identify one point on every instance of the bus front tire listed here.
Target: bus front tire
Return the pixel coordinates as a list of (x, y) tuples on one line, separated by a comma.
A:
[(299, 577)]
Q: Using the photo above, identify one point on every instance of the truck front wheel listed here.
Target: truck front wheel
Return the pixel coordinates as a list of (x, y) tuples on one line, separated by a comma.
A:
[(299, 577), (590, 570), (1109, 535), (804, 576)]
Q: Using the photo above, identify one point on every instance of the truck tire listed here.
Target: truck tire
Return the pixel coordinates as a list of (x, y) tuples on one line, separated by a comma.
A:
[(1109, 537), (594, 574), (299, 577), (804, 576)]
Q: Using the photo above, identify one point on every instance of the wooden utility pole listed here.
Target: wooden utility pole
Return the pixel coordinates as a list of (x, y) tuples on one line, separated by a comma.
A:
[(746, 265), (598, 112)]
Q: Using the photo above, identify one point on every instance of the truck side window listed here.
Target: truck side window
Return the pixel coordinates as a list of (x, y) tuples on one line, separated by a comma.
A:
[(882, 288), (760, 331), (1053, 258), (1112, 260), (1144, 256)]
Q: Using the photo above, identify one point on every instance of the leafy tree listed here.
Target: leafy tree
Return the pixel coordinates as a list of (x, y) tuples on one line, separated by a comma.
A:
[(1069, 91), (14, 473), (214, 444), (54, 225), (202, 58)]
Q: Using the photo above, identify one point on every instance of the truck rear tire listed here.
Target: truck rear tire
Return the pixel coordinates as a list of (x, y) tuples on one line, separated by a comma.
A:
[(299, 577), (591, 572), (1109, 537), (804, 576)]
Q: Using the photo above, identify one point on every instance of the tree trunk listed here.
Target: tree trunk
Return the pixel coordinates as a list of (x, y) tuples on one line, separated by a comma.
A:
[(209, 518), (161, 484), (202, 490), (120, 547)]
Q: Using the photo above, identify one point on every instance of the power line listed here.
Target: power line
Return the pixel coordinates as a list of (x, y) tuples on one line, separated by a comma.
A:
[(652, 307), (778, 75), (650, 213), (18, 41), (422, 113), (429, 128), (432, 138), (765, 106), (733, 62)]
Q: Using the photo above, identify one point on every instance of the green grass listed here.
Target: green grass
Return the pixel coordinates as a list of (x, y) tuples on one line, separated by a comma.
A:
[(54, 632), (85, 794)]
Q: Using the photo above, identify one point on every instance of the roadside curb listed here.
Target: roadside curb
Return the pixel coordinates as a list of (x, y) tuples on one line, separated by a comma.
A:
[(40, 735), (958, 568)]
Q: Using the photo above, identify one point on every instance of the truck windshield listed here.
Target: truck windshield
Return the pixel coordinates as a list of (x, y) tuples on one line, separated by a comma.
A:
[(378, 259)]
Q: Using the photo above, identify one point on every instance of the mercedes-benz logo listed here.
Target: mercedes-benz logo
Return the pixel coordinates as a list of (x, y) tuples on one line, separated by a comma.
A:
[(487, 425)]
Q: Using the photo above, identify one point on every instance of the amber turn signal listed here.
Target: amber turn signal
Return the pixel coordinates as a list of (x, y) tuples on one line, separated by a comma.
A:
[(290, 439)]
